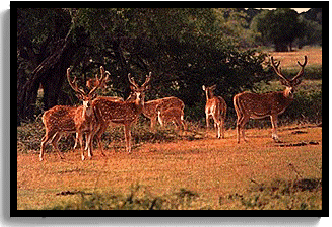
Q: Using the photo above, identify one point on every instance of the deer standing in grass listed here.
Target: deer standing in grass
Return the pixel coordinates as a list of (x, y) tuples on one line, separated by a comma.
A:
[(102, 127), (252, 105), (216, 108), (62, 119), (122, 112), (171, 114), (150, 107)]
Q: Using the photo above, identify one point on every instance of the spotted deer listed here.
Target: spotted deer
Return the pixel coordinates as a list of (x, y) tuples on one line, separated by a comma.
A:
[(150, 107), (102, 127), (255, 106), (63, 119), (122, 112), (171, 114), (215, 108)]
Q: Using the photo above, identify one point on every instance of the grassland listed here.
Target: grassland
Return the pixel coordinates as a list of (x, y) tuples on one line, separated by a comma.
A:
[(289, 59), (213, 170), (168, 170)]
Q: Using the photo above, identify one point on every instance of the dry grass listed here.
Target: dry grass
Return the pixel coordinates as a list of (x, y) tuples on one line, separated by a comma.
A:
[(289, 59), (210, 167)]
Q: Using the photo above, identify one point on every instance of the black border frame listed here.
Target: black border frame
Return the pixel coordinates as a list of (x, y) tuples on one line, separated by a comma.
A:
[(214, 213)]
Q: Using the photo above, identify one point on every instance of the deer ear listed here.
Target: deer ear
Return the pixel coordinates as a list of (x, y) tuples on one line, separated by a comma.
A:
[(213, 87), (203, 87)]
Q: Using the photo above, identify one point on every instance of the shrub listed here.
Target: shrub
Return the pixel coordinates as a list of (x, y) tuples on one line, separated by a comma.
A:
[(279, 194)]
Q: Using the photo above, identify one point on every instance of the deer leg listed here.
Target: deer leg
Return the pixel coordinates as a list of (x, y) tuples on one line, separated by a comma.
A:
[(152, 123), (177, 123), (43, 143), (238, 129), (88, 141), (216, 126), (242, 121), (128, 138), (183, 123), (243, 124), (79, 137), (159, 119), (274, 120), (76, 141), (99, 144), (219, 129), (207, 121), (99, 133), (55, 141)]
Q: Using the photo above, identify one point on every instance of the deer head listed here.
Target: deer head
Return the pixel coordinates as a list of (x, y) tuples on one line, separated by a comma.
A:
[(138, 92), (209, 90), (289, 83), (80, 93)]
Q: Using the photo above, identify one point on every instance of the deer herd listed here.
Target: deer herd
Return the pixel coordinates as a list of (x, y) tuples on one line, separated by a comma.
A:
[(93, 117)]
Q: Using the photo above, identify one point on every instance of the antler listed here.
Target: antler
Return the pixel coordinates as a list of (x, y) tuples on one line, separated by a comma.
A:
[(99, 81), (132, 81), (73, 83), (278, 72), (107, 76), (302, 68), (147, 80)]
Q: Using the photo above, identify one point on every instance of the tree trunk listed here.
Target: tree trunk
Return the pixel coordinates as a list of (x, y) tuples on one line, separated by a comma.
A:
[(27, 92)]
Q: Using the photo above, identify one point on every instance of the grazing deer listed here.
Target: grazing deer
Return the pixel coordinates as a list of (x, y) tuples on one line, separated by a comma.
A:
[(215, 107), (150, 107), (252, 105), (122, 112), (171, 114), (62, 119)]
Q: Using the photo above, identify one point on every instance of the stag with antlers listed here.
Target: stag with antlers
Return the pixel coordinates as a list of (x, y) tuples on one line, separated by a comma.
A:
[(122, 112), (63, 119), (252, 105), (215, 107)]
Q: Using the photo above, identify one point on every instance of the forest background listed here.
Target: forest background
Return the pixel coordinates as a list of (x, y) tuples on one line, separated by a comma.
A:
[(184, 48)]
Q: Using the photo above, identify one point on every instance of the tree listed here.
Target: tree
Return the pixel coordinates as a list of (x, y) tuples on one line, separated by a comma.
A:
[(280, 27), (184, 48), (45, 49)]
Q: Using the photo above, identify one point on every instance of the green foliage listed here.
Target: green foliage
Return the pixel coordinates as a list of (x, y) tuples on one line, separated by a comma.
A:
[(184, 49), (29, 136), (139, 198), (280, 27), (280, 194)]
